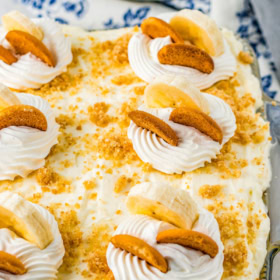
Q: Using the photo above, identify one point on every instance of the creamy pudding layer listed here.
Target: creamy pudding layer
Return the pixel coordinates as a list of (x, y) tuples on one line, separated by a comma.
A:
[(89, 172)]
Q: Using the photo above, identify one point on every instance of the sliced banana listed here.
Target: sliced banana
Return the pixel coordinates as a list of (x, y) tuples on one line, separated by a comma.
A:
[(7, 97), (174, 91), (163, 202), (20, 216), (15, 20), (200, 30)]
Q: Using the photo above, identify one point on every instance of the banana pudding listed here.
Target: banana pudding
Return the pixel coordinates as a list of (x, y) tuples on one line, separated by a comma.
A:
[(138, 151)]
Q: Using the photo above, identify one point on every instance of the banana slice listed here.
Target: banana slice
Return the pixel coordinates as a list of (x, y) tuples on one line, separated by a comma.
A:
[(174, 91), (20, 216), (15, 20), (163, 202), (200, 30), (7, 97)]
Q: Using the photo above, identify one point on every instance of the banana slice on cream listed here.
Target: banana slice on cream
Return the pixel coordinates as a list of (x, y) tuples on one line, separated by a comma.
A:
[(15, 20), (163, 202), (7, 97), (174, 91), (20, 216), (200, 30)]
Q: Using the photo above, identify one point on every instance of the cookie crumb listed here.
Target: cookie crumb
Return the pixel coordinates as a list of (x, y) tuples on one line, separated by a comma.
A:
[(245, 58)]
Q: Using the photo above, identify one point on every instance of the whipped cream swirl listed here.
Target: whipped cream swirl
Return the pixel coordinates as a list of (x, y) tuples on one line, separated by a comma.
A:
[(40, 264), (142, 53), (194, 148), (183, 263), (23, 149), (29, 71)]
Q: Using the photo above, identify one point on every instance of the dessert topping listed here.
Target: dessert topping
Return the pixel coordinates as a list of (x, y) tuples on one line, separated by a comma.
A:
[(15, 20), (20, 216), (154, 124), (7, 97), (189, 238), (141, 249), (11, 264), (163, 202), (171, 91), (186, 55), (155, 27), (199, 120), (200, 30), (23, 115), (7, 56), (245, 57), (24, 43)]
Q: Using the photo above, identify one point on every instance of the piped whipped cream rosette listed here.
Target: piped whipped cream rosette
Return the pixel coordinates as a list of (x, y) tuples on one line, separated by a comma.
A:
[(28, 131), (160, 239), (32, 52), (198, 50), (31, 246), (199, 135)]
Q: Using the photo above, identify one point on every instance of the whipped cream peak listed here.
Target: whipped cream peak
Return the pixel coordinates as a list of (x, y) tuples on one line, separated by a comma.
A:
[(194, 148), (183, 263), (23, 149), (142, 53), (143, 59), (40, 264), (29, 71)]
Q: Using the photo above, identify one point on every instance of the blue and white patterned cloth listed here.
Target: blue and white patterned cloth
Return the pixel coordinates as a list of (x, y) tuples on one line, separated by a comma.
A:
[(237, 15)]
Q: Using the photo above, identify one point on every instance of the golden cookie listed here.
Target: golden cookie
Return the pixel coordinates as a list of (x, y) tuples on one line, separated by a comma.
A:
[(199, 120), (23, 115), (186, 55), (154, 124), (7, 56), (24, 43), (189, 238), (141, 249), (11, 264), (155, 27)]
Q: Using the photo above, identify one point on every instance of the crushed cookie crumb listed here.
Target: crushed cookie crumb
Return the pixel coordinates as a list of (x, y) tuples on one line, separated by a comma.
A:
[(51, 181), (245, 57), (36, 197), (119, 52), (125, 79), (139, 90), (112, 146), (69, 226), (65, 120), (124, 110), (121, 183), (95, 250), (45, 176), (98, 114), (93, 196), (235, 259), (210, 191), (90, 184)]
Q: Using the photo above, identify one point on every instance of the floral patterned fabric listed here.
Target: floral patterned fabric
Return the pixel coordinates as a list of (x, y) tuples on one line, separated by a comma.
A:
[(108, 14)]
